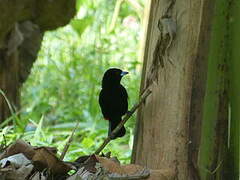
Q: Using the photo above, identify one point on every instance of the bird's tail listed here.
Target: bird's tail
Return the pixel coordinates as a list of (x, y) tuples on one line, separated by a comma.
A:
[(113, 124)]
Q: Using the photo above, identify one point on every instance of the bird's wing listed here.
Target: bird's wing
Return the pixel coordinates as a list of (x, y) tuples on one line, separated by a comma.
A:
[(103, 104), (124, 99)]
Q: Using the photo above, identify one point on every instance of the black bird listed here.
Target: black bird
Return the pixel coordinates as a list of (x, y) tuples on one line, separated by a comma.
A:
[(113, 100)]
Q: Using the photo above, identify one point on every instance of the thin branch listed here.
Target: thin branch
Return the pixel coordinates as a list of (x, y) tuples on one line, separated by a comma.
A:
[(68, 142), (11, 108), (8, 102), (126, 117)]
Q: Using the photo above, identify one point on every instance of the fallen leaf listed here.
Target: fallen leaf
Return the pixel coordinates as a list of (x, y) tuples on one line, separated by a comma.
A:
[(45, 159)]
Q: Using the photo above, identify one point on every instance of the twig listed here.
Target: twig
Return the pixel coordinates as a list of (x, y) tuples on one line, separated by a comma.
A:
[(68, 142), (7, 101), (120, 125)]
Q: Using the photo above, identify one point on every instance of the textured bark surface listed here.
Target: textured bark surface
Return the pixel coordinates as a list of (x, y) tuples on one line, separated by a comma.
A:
[(170, 120), (22, 26), (234, 66)]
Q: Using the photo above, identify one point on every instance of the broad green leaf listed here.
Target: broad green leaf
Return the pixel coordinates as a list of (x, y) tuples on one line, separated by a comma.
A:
[(87, 142), (79, 4), (79, 25)]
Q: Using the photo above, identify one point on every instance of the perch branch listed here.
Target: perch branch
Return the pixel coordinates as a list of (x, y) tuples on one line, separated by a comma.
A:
[(68, 142), (126, 117)]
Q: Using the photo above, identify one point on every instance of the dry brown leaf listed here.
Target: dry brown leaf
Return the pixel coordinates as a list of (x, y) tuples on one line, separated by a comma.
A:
[(110, 165), (90, 163), (45, 159), (19, 146), (132, 168), (114, 167)]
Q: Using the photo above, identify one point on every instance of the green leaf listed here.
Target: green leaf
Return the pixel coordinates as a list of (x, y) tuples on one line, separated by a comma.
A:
[(87, 142), (38, 131), (79, 25), (79, 4)]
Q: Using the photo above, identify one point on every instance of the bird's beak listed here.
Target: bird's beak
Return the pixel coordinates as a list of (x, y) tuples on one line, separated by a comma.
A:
[(123, 73)]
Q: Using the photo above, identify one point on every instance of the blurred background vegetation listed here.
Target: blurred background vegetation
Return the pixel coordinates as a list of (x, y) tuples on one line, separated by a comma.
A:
[(65, 81)]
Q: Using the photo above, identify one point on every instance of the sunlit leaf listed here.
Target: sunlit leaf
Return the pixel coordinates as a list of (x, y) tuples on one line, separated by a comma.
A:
[(38, 131), (87, 142), (79, 4), (79, 25)]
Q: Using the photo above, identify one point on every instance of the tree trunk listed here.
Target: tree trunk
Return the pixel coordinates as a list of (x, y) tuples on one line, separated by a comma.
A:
[(183, 125), (9, 81), (23, 24), (234, 98)]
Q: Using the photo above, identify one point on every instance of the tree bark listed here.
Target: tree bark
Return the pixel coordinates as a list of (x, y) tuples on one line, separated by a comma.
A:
[(168, 129), (23, 24), (234, 98), (190, 124)]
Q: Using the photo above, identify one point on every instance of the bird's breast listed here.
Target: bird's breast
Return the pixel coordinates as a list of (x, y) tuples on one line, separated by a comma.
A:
[(114, 101)]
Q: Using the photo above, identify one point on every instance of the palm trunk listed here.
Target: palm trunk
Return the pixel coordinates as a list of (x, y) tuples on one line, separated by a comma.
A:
[(183, 126)]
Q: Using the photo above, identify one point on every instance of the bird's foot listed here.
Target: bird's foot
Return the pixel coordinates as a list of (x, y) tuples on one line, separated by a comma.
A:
[(112, 136), (129, 112)]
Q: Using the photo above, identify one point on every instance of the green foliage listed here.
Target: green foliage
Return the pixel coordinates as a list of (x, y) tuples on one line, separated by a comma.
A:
[(65, 81), (79, 25)]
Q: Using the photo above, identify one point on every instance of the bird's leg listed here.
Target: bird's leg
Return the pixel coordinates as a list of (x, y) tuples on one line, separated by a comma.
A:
[(112, 136), (129, 112)]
